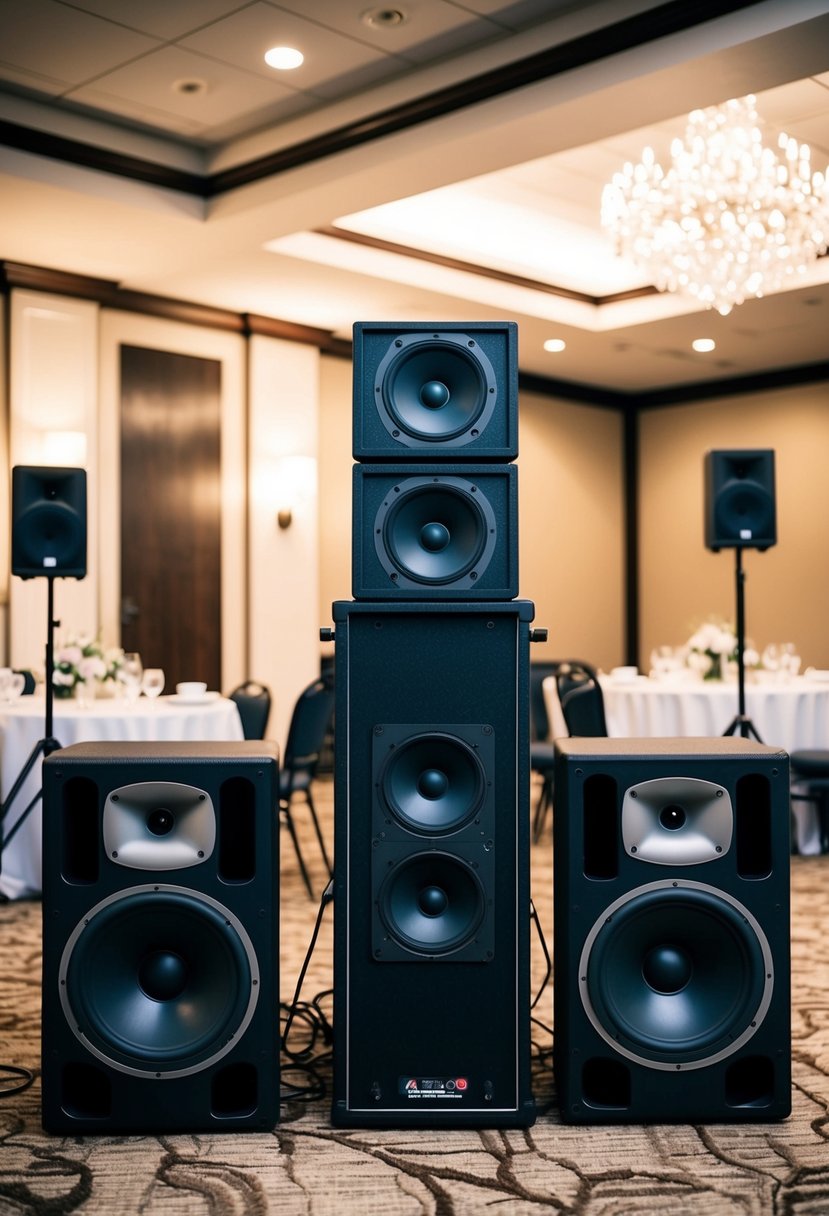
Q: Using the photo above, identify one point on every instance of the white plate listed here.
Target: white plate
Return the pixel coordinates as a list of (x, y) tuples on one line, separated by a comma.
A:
[(204, 699)]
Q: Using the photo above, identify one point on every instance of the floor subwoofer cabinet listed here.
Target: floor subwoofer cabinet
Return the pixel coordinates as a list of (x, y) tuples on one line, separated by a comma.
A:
[(431, 970), (160, 938), (671, 911)]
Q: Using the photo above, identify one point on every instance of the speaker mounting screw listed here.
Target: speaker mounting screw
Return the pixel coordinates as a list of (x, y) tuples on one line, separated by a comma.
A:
[(114, 853), (398, 342)]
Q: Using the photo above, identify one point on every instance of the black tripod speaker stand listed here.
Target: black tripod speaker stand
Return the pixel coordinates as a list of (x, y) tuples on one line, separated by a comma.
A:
[(44, 746), (741, 724)]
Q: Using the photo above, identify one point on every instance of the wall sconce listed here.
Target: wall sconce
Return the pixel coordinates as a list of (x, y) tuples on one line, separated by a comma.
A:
[(295, 482)]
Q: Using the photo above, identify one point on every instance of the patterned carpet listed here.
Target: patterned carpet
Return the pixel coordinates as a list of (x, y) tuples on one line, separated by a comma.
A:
[(306, 1166)]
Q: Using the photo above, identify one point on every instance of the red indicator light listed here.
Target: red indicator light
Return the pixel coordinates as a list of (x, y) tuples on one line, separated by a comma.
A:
[(461, 1083)]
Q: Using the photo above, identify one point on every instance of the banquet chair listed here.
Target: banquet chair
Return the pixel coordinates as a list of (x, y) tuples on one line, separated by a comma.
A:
[(28, 680), (578, 674), (310, 722), (253, 700), (581, 700), (810, 767), (542, 748)]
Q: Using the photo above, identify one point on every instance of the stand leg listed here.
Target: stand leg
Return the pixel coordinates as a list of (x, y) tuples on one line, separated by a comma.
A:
[(741, 724)]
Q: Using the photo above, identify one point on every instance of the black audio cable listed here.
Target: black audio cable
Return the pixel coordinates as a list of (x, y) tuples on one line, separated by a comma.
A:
[(316, 1051)]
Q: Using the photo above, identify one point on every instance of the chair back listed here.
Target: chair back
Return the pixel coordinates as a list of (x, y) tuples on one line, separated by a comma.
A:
[(581, 700), (253, 700), (540, 670), (310, 720)]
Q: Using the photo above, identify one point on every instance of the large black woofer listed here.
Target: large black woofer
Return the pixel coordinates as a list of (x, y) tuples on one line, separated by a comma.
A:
[(435, 531), (433, 783), (438, 388), (744, 509), (676, 975), (432, 904), (159, 980)]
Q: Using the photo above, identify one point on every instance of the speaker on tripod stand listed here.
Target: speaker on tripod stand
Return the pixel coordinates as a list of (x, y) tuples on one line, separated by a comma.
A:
[(48, 541), (740, 513)]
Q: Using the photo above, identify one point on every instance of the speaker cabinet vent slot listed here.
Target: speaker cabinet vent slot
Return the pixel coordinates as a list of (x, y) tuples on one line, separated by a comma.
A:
[(234, 1092), (86, 1092), (750, 1082), (600, 827), (237, 831), (606, 1083), (754, 849), (80, 831)]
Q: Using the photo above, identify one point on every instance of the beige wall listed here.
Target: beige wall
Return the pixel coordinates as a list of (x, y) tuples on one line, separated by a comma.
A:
[(683, 583), (570, 524), (570, 481)]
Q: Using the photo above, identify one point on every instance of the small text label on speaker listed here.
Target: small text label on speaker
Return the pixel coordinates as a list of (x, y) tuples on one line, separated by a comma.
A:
[(431, 1089)]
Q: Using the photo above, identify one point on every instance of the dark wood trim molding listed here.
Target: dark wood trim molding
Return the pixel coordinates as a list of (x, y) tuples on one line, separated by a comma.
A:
[(630, 476), (638, 30), (109, 294), (486, 272)]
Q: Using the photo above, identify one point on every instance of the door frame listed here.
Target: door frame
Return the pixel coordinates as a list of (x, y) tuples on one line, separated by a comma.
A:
[(122, 328)]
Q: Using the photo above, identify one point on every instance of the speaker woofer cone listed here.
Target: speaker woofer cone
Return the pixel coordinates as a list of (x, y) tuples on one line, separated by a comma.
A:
[(676, 975), (744, 510), (432, 904), (159, 980), (49, 534), (435, 389), (435, 531), (433, 784)]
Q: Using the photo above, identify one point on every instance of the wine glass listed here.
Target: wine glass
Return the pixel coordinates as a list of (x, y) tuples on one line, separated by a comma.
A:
[(130, 673), (152, 682)]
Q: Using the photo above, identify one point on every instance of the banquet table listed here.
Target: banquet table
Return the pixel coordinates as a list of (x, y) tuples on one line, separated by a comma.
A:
[(22, 725), (791, 713)]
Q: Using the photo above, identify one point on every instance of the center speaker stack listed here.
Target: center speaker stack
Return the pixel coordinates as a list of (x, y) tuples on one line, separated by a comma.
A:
[(432, 904)]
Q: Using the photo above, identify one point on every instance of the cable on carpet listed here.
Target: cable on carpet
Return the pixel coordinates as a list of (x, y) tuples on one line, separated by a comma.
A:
[(315, 1052), (19, 1079)]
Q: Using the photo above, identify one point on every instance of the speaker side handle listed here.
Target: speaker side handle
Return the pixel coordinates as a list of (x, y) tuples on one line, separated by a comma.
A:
[(538, 635)]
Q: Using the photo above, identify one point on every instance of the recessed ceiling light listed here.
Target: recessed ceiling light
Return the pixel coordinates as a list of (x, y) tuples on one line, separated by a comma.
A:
[(702, 345), (554, 345), (190, 87), (284, 58), (383, 18)]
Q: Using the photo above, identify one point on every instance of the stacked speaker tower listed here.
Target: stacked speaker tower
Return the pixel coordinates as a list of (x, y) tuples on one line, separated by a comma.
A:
[(431, 969)]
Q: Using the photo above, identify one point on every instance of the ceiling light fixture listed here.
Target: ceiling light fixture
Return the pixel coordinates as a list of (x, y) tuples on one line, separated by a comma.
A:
[(555, 345), (384, 18), (729, 218), (284, 58), (703, 345)]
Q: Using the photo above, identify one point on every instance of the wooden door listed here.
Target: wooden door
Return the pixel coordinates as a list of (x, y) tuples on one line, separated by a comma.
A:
[(171, 513)]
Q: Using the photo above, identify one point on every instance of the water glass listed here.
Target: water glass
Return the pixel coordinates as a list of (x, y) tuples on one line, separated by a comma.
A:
[(129, 674), (152, 682)]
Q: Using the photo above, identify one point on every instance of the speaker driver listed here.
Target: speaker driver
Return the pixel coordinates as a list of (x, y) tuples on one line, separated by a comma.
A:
[(433, 784), (676, 975), (744, 510), (159, 981), (432, 903), (49, 535), (435, 389), (435, 531)]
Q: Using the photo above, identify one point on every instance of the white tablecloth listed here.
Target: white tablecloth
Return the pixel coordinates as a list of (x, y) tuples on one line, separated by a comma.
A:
[(22, 725), (792, 715)]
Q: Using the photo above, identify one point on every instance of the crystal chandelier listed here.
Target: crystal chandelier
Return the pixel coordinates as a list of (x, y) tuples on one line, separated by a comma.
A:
[(730, 218)]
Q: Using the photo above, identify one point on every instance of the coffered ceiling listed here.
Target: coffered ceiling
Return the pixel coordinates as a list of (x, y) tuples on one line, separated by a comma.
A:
[(429, 160)]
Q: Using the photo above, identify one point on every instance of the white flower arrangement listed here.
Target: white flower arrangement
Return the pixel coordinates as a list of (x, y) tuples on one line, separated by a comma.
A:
[(84, 660), (710, 648)]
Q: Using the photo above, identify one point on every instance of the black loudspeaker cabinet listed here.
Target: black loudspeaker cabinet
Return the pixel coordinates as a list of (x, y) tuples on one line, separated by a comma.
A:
[(435, 532), (432, 905), (160, 938), (740, 504), (671, 913), (435, 390), (48, 522)]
